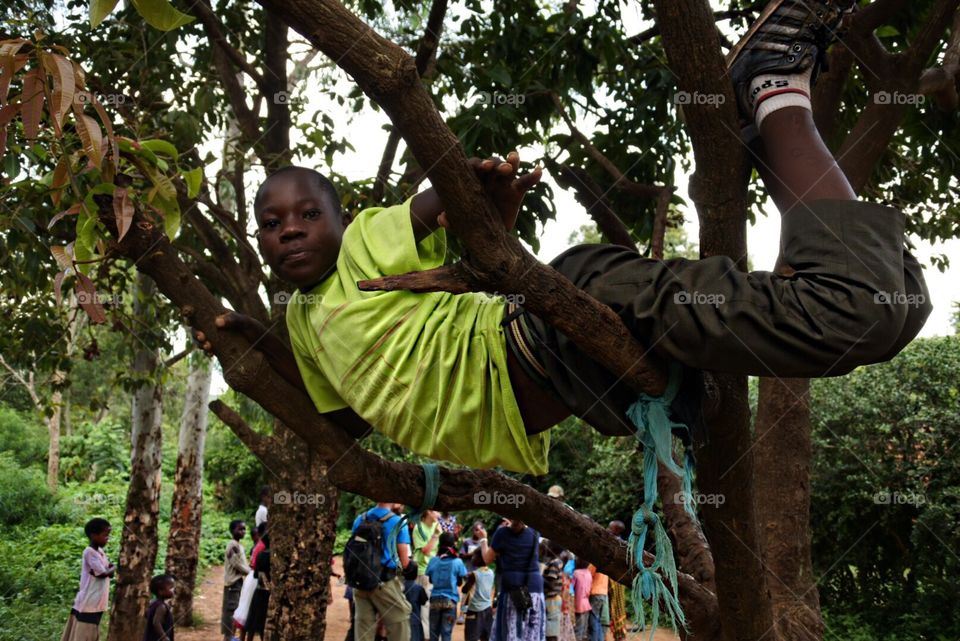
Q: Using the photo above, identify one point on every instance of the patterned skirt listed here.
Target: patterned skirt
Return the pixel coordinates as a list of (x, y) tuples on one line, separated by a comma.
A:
[(618, 611), (528, 626)]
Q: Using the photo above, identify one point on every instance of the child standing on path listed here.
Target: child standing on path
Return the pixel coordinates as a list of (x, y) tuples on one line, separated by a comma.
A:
[(159, 613), (417, 597), (479, 612), (582, 582), (94, 592), (446, 573), (235, 569)]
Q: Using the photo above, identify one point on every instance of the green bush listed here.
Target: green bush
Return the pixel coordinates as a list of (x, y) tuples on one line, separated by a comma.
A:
[(885, 507), (94, 449), (24, 497), (24, 438)]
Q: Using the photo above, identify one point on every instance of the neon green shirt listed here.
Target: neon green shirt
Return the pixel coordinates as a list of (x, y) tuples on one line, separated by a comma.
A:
[(421, 536), (429, 371)]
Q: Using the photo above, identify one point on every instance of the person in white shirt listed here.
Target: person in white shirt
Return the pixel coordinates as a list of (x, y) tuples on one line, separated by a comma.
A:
[(265, 499), (94, 593)]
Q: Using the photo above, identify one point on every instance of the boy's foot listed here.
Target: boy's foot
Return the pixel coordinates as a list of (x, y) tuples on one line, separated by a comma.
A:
[(778, 59)]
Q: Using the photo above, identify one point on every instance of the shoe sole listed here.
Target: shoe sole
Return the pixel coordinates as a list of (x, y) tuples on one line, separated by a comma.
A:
[(759, 22)]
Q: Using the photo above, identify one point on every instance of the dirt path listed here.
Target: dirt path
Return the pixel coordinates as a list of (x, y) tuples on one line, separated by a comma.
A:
[(210, 593)]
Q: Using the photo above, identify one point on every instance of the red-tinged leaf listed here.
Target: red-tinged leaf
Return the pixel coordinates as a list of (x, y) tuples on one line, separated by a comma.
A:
[(8, 113), (73, 210), (8, 65), (105, 119), (58, 286), (6, 75), (80, 76), (88, 299), (90, 136), (122, 211), (64, 86), (60, 178), (63, 258), (12, 46), (32, 102)]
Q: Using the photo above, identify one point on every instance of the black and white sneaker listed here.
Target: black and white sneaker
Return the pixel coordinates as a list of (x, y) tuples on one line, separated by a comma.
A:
[(789, 39)]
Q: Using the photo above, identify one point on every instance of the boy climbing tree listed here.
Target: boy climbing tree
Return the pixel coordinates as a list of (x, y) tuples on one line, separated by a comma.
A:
[(477, 381)]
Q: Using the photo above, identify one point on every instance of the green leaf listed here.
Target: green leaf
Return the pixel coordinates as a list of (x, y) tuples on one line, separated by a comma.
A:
[(193, 177), (160, 14), (100, 9), (171, 215), (161, 147)]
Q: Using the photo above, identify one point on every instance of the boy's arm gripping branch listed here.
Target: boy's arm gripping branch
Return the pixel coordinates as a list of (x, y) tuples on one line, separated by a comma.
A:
[(500, 181)]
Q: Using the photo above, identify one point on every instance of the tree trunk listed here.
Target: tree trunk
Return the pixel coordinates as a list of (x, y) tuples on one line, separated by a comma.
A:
[(183, 542), (138, 539), (53, 432), (782, 456), (303, 516)]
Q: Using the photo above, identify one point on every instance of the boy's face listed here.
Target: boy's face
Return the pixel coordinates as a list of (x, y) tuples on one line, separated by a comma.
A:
[(300, 231), (166, 592), (101, 538)]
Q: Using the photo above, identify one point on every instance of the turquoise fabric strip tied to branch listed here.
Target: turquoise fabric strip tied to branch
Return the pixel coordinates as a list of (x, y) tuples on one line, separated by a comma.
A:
[(431, 488), (657, 583)]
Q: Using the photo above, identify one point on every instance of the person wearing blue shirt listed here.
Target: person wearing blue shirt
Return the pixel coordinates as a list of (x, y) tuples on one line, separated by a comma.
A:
[(387, 600), (446, 572)]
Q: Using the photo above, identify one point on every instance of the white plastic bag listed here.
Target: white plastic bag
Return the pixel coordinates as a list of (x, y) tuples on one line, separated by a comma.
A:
[(246, 596)]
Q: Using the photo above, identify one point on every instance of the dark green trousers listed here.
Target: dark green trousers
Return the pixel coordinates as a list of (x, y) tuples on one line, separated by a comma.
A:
[(856, 297)]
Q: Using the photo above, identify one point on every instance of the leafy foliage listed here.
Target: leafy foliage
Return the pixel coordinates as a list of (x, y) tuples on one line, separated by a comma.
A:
[(886, 491)]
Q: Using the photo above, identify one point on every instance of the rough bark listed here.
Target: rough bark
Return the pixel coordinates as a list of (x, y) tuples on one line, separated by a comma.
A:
[(305, 512), (718, 189), (138, 538), (784, 452), (186, 511)]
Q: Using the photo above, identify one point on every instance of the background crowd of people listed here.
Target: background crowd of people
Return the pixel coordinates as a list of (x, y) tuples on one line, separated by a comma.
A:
[(512, 586)]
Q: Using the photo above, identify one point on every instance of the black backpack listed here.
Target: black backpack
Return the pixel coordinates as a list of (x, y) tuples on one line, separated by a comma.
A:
[(363, 553)]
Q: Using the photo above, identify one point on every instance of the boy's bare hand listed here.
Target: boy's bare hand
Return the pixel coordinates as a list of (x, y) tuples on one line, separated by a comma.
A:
[(500, 180), (250, 328)]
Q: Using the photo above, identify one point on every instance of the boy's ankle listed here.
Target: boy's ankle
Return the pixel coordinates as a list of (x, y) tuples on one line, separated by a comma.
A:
[(769, 93)]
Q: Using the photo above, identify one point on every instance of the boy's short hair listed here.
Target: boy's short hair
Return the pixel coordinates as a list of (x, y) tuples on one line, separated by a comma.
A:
[(410, 572), (322, 182), (582, 563), (264, 491), (234, 523), (159, 581), (96, 526)]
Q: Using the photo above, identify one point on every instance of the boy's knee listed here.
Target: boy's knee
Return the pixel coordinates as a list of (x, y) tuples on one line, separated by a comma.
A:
[(878, 327)]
